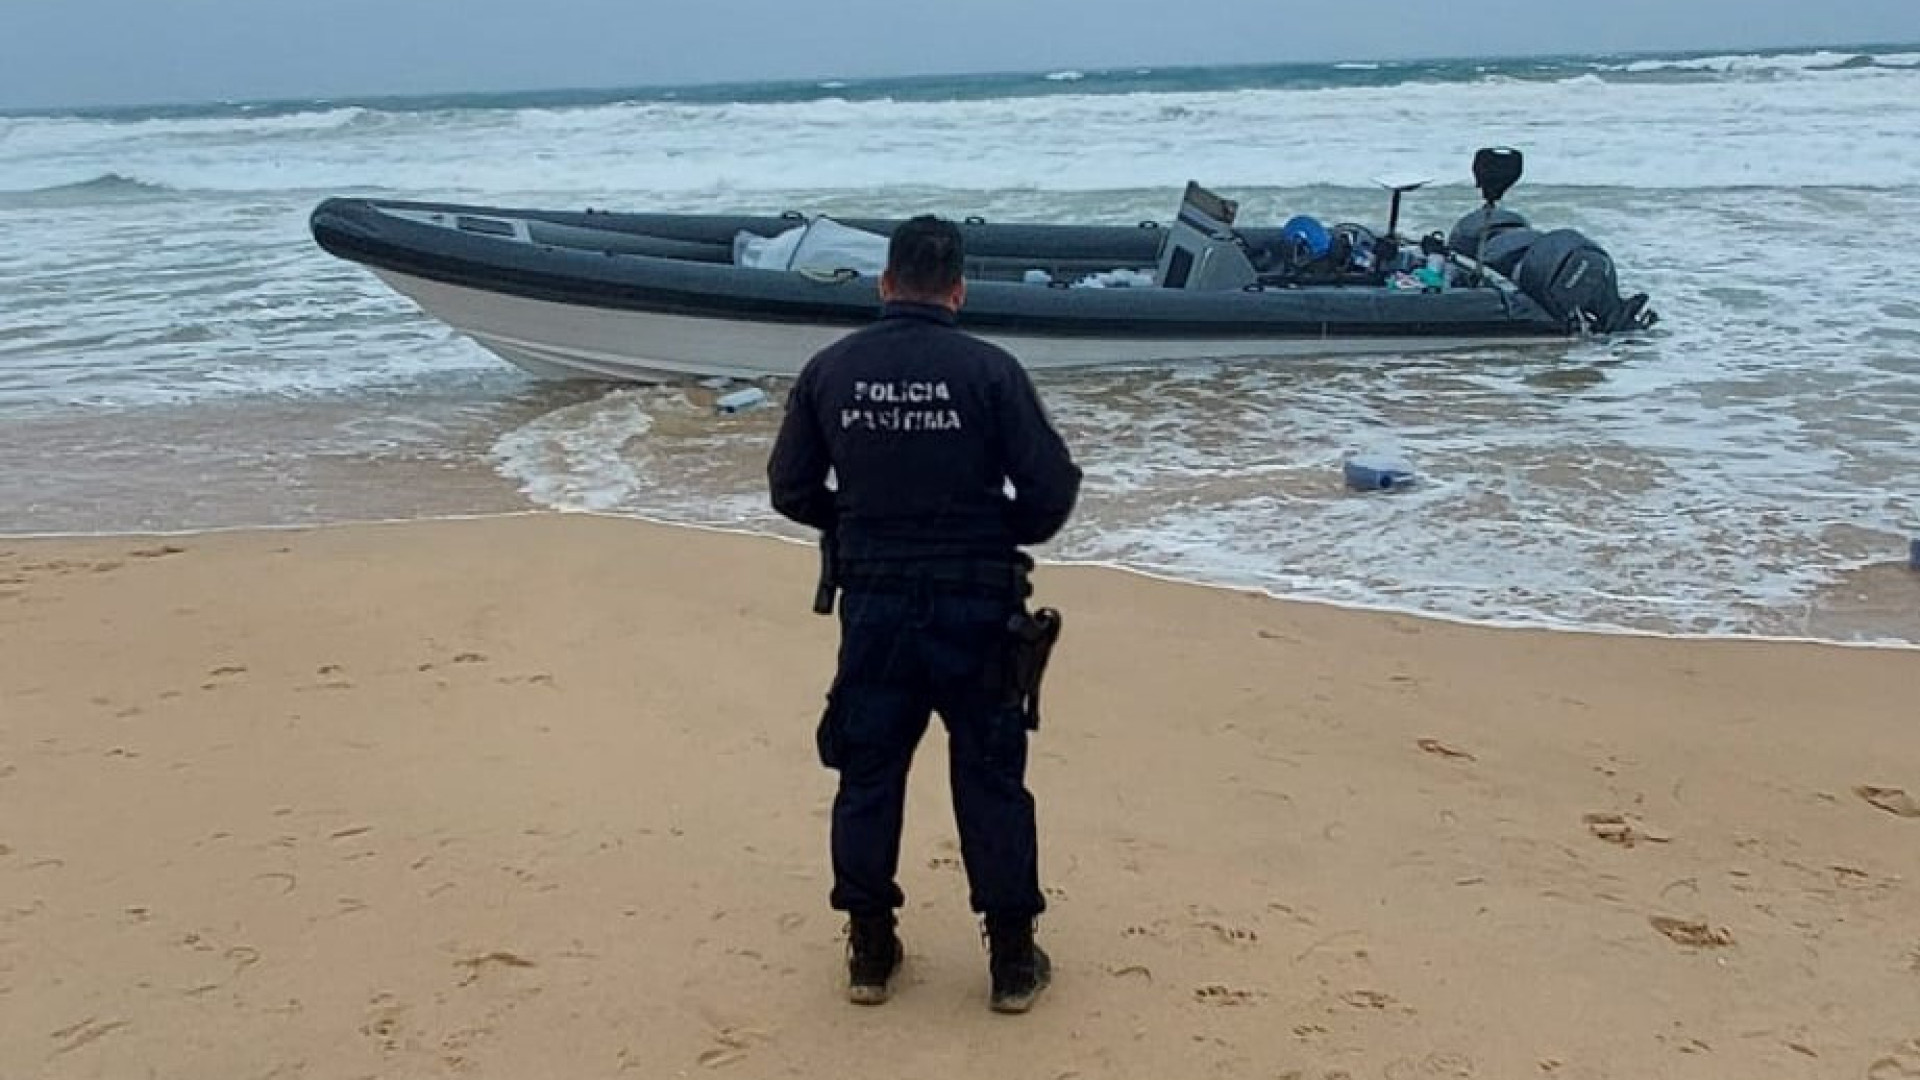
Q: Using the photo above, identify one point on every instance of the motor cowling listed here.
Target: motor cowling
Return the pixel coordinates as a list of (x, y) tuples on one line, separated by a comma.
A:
[(1574, 279)]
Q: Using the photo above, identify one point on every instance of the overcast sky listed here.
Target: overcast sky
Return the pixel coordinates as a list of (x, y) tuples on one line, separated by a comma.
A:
[(84, 52)]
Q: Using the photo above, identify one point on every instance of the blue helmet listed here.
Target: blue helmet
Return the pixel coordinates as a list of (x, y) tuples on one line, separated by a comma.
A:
[(1304, 239)]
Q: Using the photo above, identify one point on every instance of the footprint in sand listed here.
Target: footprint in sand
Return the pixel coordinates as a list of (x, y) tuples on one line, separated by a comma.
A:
[(1692, 933), (1902, 1064), (1623, 831), (225, 675), (160, 552), (477, 965), (1457, 1066), (1893, 800), (1367, 999), (731, 1045), (1440, 749), (385, 1023), (1218, 994), (1231, 935), (86, 1031), (285, 883)]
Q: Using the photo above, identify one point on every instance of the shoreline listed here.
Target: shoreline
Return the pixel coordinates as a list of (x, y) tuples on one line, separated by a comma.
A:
[(535, 795), (1150, 574)]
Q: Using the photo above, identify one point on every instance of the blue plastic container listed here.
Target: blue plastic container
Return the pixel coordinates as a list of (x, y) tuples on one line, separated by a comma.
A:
[(1373, 472), (741, 400), (1913, 554)]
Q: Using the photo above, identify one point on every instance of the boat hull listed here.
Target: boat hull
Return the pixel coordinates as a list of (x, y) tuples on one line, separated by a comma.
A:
[(656, 297), (553, 340)]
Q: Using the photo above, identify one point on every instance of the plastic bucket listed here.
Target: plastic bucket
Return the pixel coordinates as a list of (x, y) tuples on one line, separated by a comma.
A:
[(741, 400), (1368, 472)]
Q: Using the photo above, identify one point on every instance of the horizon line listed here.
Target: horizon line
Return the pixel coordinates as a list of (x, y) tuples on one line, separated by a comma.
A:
[(381, 97)]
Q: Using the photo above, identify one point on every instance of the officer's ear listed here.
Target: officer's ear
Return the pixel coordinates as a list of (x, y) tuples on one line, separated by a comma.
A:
[(957, 297), (888, 290)]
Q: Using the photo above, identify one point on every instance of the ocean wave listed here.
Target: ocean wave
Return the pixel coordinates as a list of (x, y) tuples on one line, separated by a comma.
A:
[(107, 187), (44, 136), (1752, 64), (220, 126), (1846, 130)]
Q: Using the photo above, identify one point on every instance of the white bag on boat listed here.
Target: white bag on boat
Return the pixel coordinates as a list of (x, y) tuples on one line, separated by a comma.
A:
[(757, 252), (821, 244)]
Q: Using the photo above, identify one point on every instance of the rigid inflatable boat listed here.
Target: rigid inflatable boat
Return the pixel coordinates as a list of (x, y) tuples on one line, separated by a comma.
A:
[(655, 297)]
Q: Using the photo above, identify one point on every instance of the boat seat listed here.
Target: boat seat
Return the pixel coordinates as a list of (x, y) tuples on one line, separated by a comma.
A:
[(1201, 250)]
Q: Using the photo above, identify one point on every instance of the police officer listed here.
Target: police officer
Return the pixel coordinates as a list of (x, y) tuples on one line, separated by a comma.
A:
[(922, 427)]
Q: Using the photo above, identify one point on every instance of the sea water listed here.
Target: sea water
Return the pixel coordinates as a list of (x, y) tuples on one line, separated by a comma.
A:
[(175, 353)]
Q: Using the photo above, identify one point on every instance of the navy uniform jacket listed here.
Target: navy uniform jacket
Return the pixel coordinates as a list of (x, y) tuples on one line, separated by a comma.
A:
[(922, 426)]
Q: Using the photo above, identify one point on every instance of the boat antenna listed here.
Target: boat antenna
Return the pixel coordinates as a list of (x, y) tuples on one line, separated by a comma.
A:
[(1495, 170), (1387, 244), (1399, 190)]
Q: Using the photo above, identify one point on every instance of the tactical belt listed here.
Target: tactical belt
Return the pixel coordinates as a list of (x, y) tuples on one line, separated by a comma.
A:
[(995, 577)]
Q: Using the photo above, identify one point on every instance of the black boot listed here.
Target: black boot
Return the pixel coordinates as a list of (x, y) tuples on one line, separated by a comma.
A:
[(874, 955), (1020, 968)]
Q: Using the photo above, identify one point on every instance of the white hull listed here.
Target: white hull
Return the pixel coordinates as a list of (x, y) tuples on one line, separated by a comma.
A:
[(572, 341)]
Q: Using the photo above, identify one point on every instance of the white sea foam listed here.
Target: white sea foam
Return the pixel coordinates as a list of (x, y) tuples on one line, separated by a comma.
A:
[(1846, 127), (582, 457), (1753, 64)]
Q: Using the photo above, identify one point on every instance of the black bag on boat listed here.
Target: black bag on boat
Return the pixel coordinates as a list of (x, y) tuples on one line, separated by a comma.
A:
[(1479, 227)]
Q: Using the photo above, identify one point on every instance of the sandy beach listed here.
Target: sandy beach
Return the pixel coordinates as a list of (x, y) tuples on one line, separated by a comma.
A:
[(535, 796)]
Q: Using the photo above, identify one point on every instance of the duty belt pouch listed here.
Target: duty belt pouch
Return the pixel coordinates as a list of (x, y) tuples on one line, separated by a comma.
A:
[(829, 737), (1031, 637)]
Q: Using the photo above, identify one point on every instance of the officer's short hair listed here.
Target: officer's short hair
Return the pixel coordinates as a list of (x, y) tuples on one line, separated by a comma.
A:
[(926, 256)]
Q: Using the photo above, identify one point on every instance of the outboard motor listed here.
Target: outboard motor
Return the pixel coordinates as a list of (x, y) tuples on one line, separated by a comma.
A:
[(1569, 275), (1573, 278)]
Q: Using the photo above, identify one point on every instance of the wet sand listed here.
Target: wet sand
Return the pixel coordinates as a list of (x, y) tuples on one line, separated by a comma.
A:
[(535, 796)]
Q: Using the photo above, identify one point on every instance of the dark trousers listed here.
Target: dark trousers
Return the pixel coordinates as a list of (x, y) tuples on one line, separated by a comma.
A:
[(904, 655)]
